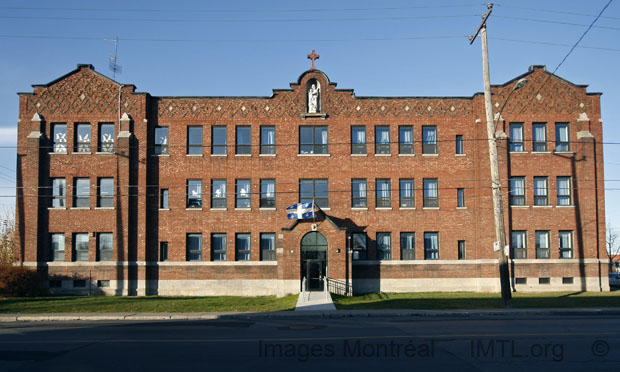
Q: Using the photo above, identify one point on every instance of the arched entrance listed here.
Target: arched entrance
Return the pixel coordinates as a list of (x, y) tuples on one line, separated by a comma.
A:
[(313, 260)]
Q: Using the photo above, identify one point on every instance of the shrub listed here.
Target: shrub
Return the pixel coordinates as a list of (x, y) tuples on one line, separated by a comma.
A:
[(20, 281)]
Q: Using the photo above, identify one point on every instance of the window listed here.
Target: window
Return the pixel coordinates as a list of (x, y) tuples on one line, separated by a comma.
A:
[(539, 137), (267, 193), (194, 247), (542, 244), (431, 246), (81, 193), (406, 192), (161, 141), (59, 138), (80, 247), (194, 140), (520, 280), (163, 198), (540, 191), (382, 139), (242, 196), (407, 246), (103, 283), (567, 280), (218, 140), (358, 245), (518, 244), (106, 138), (516, 137), (566, 244), (218, 247), (405, 139), (461, 247), (243, 144), (384, 194), (163, 251), (218, 194), (194, 194), (80, 283), (104, 247), (313, 140), (358, 193), (384, 246), (242, 247), (544, 280), (429, 139), (431, 196), (561, 137), (55, 283), (460, 197), (268, 247), (358, 139), (58, 247), (517, 191), (459, 145), (564, 191), (58, 192), (105, 193), (314, 189), (268, 140), (82, 138)]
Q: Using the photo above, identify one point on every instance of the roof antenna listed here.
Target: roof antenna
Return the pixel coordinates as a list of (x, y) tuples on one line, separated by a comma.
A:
[(113, 59)]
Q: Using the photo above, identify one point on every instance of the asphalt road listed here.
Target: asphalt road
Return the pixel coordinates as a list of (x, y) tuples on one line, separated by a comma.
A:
[(464, 343)]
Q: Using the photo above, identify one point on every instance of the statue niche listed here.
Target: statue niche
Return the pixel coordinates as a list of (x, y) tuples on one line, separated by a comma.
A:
[(313, 89)]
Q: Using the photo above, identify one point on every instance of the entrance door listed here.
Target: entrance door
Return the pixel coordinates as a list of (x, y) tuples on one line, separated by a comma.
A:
[(313, 260), (315, 270)]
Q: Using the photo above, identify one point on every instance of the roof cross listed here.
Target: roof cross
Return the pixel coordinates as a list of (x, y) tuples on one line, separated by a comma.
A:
[(313, 56)]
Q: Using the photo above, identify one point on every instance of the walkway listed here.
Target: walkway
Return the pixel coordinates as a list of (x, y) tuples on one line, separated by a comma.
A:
[(315, 301)]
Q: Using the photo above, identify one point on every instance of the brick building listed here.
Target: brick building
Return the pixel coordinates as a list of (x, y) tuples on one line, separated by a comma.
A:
[(126, 193)]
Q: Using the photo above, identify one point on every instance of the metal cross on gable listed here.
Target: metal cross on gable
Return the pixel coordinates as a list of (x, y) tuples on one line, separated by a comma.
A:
[(313, 56)]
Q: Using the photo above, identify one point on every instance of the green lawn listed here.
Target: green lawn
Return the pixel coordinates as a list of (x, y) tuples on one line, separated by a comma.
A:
[(471, 300), (149, 304)]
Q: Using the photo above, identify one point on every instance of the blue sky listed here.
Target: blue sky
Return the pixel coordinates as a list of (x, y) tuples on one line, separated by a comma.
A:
[(377, 48)]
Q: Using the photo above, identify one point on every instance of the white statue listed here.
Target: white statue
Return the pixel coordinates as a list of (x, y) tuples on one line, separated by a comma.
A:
[(313, 99)]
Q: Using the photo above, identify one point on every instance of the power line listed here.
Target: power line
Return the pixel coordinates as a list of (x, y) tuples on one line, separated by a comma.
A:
[(554, 11)]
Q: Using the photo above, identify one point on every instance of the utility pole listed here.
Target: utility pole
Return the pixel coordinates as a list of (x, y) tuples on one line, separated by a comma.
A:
[(498, 211)]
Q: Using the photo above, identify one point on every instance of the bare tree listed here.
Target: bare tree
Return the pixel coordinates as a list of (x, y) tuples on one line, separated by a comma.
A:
[(7, 238), (613, 246)]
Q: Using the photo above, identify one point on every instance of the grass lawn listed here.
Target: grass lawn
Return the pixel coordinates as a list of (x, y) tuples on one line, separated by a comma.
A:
[(472, 300), (149, 304)]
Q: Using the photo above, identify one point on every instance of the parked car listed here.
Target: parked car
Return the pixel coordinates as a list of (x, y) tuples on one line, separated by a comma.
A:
[(614, 279)]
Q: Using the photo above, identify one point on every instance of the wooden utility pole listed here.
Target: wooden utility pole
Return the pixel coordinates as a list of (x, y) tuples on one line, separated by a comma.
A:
[(498, 211)]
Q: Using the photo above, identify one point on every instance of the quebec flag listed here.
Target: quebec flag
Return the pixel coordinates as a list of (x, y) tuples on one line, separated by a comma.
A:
[(300, 211)]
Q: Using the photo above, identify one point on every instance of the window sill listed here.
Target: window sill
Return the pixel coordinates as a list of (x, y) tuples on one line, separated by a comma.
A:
[(266, 209), (326, 209), (193, 209), (382, 155), (359, 208), (461, 208), (57, 153), (219, 209), (81, 153), (164, 209), (565, 206), (383, 208), (268, 155), (81, 208), (56, 208), (520, 206), (327, 155), (407, 155), (243, 155), (243, 209), (104, 208), (161, 155), (193, 155), (431, 155), (519, 152), (407, 208), (564, 152), (540, 152), (219, 155), (104, 153), (431, 208), (460, 155), (542, 206), (362, 155)]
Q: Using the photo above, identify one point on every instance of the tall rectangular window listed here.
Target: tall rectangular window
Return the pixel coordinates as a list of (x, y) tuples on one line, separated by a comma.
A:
[(218, 193), (565, 239), (518, 244), (242, 247), (384, 193), (460, 197), (163, 199), (81, 193), (58, 247), (429, 139), (105, 193), (268, 247), (540, 191), (218, 247), (105, 142), (358, 193), (80, 247), (82, 138), (407, 246), (194, 140), (218, 140), (564, 191), (516, 137), (542, 244), (194, 247), (104, 247), (161, 141), (562, 137), (384, 246), (268, 140), (163, 251), (314, 189), (405, 139), (431, 193), (313, 139), (382, 139), (517, 191), (194, 194), (242, 194), (459, 144), (431, 246), (358, 246), (539, 137), (461, 248), (406, 193), (243, 146), (59, 187), (358, 139), (268, 193), (59, 138)]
